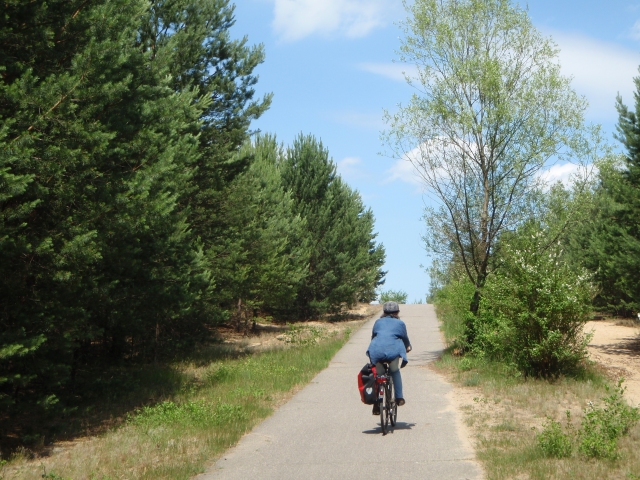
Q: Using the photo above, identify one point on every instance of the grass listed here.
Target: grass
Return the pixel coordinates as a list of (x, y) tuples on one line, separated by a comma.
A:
[(506, 414), (215, 398)]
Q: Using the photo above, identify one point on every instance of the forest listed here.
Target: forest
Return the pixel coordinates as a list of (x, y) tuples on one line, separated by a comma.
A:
[(139, 209)]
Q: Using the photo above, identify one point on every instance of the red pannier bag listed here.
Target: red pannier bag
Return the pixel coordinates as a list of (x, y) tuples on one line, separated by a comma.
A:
[(367, 384)]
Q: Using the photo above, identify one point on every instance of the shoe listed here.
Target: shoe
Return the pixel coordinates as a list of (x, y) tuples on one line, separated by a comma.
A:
[(376, 409), (400, 401)]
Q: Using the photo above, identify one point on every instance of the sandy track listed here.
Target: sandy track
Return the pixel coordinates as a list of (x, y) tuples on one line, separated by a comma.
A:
[(617, 348)]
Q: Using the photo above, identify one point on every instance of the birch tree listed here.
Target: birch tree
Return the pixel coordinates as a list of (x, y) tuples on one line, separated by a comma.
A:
[(490, 111)]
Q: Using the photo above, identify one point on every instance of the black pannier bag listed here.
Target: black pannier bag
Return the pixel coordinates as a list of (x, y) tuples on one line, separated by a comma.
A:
[(367, 384)]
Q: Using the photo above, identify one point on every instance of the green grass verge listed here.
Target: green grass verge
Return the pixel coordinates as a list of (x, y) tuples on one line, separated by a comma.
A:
[(177, 437)]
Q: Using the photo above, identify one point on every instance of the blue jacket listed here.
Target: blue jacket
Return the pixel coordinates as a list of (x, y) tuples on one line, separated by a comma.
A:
[(389, 340)]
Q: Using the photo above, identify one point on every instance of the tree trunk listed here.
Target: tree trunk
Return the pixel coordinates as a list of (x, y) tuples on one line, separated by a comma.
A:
[(239, 316), (155, 352), (469, 321)]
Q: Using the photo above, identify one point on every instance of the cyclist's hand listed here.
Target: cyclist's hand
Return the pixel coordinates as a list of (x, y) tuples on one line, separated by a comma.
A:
[(408, 348)]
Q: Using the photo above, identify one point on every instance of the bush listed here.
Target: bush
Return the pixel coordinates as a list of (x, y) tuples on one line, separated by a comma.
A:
[(533, 310), (553, 441), (599, 431), (393, 296), (452, 307), (601, 427)]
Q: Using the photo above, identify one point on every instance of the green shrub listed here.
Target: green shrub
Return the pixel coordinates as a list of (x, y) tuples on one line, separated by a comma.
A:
[(534, 308), (465, 364), (452, 303), (553, 441), (602, 426), (393, 296), (303, 335), (218, 373), (599, 431)]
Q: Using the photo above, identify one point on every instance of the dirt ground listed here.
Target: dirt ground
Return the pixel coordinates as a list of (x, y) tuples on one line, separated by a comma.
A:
[(266, 336), (616, 346)]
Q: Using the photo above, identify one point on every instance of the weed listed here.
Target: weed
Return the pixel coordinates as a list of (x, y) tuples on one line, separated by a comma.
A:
[(472, 380), (507, 426), (218, 373), (599, 431), (51, 475), (245, 393), (465, 364), (304, 335), (347, 333), (553, 441), (601, 427)]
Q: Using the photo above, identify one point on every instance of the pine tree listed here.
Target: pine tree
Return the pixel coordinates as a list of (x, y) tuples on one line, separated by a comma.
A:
[(263, 258), (609, 244), (203, 59), (344, 261), (96, 146)]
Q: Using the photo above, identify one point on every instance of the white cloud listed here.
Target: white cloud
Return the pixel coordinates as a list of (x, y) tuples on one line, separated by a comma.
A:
[(296, 19), (351, 168), (600, 70), (394, 71), (568, 173), (404, 171), (348, 164), (560, 173)]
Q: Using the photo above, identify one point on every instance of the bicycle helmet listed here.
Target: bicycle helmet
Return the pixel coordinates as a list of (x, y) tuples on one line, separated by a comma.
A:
[(391, 307)]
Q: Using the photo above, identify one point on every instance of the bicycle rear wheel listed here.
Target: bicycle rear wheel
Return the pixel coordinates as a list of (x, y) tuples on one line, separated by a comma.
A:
[(391, 401), (383, 411)]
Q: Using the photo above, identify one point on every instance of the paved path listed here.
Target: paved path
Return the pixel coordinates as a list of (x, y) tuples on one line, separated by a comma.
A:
[(325, 432)]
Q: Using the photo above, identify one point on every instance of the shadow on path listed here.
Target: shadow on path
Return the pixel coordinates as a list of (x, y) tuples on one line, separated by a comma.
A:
[(629, 346), (426, 357), (399, 426)]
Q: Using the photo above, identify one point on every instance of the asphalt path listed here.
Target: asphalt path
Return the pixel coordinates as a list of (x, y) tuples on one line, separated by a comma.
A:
[(326, 432)]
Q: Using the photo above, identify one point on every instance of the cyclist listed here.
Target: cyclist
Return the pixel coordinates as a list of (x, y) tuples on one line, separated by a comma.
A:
[(390, 343)]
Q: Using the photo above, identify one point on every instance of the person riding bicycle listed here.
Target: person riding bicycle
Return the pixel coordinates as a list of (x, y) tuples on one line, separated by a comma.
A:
[(389, 344)]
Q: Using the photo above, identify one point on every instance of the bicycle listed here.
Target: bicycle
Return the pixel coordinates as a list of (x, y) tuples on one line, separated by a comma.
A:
[(386, 400)]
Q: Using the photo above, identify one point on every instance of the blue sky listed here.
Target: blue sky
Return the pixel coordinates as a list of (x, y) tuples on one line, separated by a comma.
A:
[(329, 64)]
